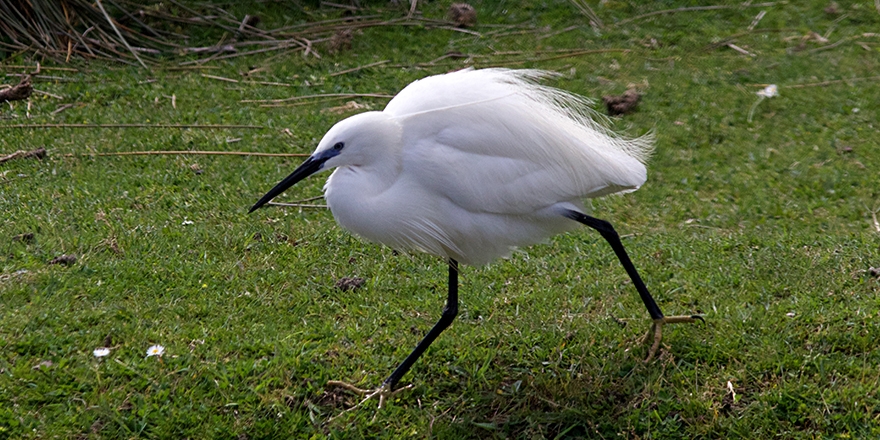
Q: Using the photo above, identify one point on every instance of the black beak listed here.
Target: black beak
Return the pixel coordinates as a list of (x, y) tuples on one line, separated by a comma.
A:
[(309, 167)]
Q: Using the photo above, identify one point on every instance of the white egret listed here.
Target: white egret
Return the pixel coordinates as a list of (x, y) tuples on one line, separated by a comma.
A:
[(469, 165)]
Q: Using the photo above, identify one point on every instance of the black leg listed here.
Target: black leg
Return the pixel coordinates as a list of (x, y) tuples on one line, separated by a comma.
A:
[(449, 312), (388, 387), (613, 239)]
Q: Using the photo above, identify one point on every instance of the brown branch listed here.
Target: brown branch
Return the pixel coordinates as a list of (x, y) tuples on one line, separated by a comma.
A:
[(18, 92), (209, 127)]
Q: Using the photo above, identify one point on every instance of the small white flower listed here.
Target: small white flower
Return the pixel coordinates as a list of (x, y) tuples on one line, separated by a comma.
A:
[(790, 314), (187, 222), (768, 92), (155, 350), (101, 352)]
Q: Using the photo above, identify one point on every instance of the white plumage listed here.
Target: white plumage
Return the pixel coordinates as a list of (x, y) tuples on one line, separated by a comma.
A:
[(470, 164)]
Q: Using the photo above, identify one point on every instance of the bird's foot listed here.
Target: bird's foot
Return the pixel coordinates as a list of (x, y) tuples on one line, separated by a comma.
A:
[(655, 333), (382, 393)]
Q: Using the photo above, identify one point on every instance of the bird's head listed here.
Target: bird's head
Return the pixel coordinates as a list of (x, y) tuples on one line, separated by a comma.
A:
[(360, 140)]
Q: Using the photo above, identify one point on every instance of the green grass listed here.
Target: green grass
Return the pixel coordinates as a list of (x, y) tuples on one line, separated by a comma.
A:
[(764, 227)]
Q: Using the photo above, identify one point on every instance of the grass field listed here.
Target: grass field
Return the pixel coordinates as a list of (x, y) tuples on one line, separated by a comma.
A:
[(767, 228)]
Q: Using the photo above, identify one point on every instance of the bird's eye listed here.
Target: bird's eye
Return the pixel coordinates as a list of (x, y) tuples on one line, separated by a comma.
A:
[(338, 146)]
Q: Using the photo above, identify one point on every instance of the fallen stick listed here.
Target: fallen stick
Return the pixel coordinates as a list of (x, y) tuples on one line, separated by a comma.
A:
[(322, 95), (694, 8), (130, 126), (18, 92), (835, 81), (355, 69), (262, 83), (39, 153), (187, 153), (61, 69), (295, 205)]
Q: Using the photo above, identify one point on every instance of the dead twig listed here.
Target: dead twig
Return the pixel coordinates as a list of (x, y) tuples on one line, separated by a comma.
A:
[(119, 34), (588, 11), (60, 69), (183, 126), (39, 153), (298, 104), (695, 8), (841, 41), (292, 44), (186, 153), (295, 205), (826, 83), (559, 32), (876, 223), (740, 50), (733, 37), (756, 20), (18, 92), (236, 81), (565, 55), (219, 78), (51, 95), (322, 95), (61, 108), (355, 69), (310, 199)]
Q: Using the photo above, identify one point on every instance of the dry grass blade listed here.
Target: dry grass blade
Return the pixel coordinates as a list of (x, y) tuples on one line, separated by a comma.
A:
[(695, 8), (588, 11), (60, 29), (110, 29), (119, 34)]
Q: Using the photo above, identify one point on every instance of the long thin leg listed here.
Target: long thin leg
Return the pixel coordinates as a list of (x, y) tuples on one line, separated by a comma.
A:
[(610, 235), (450, 310)]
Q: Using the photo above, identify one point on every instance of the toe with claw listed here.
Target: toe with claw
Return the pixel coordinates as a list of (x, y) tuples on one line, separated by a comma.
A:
[(383, 392), (655, 333)]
